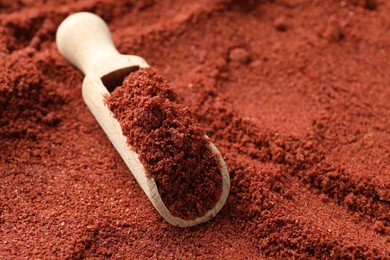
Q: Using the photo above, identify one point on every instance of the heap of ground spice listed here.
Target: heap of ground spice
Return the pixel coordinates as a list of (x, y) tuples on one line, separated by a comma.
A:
[(170, 143), (300, 115)]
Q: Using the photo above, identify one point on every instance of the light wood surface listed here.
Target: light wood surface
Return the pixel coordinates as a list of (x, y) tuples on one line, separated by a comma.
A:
[(85, 41)]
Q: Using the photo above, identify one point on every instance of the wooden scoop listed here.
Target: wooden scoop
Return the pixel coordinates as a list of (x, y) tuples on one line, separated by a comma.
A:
[(85, 41)]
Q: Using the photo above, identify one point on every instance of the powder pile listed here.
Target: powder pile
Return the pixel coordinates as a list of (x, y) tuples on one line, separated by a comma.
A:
[(170, 143), (295, 95)]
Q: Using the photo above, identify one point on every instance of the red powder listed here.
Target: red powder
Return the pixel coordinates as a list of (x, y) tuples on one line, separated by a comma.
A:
[(300, 116), (170, 143)]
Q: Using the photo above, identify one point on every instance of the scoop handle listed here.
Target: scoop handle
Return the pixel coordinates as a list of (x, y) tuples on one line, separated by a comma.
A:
[(84, 39)]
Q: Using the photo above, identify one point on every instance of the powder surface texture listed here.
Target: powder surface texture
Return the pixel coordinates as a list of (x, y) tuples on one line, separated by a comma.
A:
[(170, 143), (295, 95)]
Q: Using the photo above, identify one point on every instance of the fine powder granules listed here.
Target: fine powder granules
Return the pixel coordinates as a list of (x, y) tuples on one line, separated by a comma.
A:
[(170, 143), (294, 94)]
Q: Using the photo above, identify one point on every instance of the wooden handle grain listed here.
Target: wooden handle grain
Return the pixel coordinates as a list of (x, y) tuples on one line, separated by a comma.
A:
[(84, 39)]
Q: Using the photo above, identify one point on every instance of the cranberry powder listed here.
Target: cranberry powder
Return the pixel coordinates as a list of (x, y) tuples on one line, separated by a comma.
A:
[(295, 95)]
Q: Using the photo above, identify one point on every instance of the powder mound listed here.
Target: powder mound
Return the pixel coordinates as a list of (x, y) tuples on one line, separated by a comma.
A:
[(367, 4), (170, 143), (239, 55), (25, 105), (281, 24)]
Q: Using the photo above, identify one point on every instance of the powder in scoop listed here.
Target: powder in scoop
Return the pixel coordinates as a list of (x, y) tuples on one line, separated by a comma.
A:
[(170, 143)]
